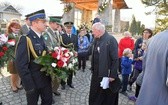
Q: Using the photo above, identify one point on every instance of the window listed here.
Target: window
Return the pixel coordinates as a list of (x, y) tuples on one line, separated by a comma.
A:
[(78, 17)]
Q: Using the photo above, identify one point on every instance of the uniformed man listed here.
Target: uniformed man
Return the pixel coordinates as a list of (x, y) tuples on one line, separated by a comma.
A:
[(52, 39), (52, 35), (26, 27), (69, 41), (35, 82)]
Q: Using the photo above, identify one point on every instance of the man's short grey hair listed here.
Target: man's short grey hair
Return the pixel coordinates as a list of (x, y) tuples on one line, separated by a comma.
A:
[(99, 26), (127, 33)]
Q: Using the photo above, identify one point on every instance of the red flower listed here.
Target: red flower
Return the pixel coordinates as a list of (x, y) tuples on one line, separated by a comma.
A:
[(65, 51), (60, 64), (11, 40), (5, 48), (54, 54), (1, 54)]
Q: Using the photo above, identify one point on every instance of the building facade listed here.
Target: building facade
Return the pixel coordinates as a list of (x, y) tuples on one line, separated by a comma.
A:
[(6, 14)]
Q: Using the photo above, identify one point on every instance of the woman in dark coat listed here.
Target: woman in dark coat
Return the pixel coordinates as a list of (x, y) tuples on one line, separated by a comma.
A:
[(146, 34)]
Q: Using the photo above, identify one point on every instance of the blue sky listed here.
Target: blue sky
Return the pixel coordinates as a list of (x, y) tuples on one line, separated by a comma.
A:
[(53, 7)]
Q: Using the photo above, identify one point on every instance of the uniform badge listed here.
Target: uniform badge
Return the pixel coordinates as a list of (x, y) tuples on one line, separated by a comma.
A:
[(34, 37), (98, 49)]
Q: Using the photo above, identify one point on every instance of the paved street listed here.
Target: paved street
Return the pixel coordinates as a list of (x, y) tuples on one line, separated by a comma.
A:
[(77, 96)]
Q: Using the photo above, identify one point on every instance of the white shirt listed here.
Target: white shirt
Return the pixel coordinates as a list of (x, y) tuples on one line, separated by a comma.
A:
[(38, 34)]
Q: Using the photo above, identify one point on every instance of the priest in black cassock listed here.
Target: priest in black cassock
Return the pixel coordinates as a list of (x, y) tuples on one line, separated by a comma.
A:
[(104, 67)]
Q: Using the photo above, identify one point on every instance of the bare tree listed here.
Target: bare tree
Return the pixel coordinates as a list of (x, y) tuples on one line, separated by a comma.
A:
[(4, 4), (17, 7)]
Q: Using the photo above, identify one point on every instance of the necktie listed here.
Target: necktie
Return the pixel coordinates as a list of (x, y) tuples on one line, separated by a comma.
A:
[(56, 36), (55, 33), (69, 35)]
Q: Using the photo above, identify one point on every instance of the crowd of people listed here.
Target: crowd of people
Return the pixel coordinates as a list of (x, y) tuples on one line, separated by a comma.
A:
[(142, 61)]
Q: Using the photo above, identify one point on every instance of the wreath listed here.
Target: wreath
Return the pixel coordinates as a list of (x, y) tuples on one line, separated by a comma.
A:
[(82, 26), (102, 7), (67, 8)]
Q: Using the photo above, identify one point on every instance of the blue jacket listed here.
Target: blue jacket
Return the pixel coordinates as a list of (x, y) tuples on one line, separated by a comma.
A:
[(84, 43), (74, 31), (126, 65)]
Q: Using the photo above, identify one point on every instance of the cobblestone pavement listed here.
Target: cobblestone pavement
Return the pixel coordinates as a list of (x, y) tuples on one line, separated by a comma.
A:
[(77, 96)]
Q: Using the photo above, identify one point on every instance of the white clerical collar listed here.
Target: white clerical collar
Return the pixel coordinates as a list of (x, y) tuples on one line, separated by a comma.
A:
[(38, 34)]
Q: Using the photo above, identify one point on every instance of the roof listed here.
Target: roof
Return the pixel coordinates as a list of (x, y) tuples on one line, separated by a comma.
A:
[(120, 4), (93, 4), (9, 9)]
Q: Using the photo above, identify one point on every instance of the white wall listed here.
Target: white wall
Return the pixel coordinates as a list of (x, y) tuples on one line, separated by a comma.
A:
[(9, 16)]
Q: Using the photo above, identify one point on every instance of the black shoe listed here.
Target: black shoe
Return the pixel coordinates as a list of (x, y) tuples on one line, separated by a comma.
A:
[(63, 87), (124, 93), (83, 70), (57, 93), (90, 68), (71, 86), (0, 103), (53, 101)]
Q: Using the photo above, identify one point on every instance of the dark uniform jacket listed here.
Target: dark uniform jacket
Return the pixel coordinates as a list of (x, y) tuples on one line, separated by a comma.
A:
[(108, 56), (31, 76), (67, 40)]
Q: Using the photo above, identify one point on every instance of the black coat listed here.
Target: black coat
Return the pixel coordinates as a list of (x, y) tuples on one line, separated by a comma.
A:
[(104, 64), (31, 76), (138, 45), (108, 56)]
